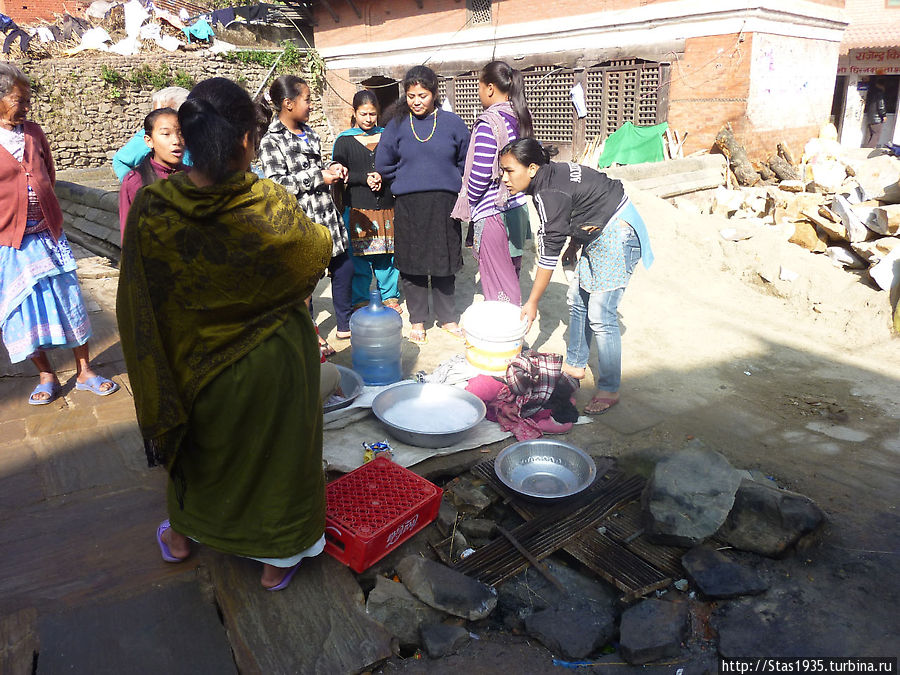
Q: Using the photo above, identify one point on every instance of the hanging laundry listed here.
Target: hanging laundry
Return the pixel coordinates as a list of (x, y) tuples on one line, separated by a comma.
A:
[(223, 16), (24, 40), (200, 30)]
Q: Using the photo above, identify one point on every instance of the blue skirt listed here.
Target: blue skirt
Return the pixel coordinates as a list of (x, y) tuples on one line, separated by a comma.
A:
[(40, 300)]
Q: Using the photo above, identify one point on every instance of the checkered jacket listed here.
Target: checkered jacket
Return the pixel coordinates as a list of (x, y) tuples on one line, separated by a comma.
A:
[(297, 165)]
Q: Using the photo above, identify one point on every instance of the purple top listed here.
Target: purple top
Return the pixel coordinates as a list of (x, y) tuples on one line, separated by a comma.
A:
[(132, 183), (482, 191)]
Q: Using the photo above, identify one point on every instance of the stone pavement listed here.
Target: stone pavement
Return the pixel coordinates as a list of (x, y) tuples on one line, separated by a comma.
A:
[(82, 585)]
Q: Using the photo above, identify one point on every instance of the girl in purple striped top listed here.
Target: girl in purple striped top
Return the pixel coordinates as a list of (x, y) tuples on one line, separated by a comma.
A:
[(500, 221)]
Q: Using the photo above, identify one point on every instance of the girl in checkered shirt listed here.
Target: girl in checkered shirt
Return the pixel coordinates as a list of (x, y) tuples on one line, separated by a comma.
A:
[(291, 155)]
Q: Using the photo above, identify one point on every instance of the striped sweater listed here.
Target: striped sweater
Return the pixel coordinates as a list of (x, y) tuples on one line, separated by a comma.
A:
[(481, 189)]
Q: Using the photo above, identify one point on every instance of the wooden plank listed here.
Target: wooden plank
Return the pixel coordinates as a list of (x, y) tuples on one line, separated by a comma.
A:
[(318, 624), (18, 642)]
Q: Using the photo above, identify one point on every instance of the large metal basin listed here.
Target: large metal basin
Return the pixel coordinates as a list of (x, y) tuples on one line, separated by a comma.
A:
[(428, 415), (351, 386), (545, 469)]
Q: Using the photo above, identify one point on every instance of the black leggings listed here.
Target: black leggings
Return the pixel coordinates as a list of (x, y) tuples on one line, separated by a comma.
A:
[(443, 297)]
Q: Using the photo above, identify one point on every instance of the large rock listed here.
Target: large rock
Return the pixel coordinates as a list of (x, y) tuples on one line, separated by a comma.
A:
[(440, 639), (767, 520), (447, 590), (530, 592), (873, 251), (398, 610), (856, 227), (806, 236), (689, 496), (878, 176), (887, 219), (572, 632), (653, 629), (886, 273), (718, 576)]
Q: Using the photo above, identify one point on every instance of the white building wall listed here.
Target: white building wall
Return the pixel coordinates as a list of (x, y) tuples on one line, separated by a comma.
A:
[(791, 81)]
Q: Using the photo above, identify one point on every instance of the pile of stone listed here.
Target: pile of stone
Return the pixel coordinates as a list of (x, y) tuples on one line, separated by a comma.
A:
[(694, 499), (852, 215)]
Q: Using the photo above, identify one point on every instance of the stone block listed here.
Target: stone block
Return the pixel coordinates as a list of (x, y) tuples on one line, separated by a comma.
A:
[(768, 520), (445, 589), (572, 632), (652, 630), (689, 496), (398, 610), (718, 576), (109, 201), (440, 639), (806, 236)]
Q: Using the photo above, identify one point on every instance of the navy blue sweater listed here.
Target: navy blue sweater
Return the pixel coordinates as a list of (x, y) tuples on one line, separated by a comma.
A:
[(413, 166)]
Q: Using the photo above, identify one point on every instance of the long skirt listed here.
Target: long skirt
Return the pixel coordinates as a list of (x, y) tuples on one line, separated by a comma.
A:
[(40, 300), (248, 479), (427, 241)]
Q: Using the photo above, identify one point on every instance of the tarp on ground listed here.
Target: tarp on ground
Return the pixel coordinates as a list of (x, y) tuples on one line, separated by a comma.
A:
[(634, 145)]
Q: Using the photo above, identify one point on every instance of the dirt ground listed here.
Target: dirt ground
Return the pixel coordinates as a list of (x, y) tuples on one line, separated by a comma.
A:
[(800, 380)]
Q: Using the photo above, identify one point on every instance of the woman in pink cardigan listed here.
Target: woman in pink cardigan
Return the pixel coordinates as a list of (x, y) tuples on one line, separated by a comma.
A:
[(40, 300)]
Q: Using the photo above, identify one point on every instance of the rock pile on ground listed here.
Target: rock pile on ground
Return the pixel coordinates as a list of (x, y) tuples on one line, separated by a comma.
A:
[(852, 215), (730, 523)]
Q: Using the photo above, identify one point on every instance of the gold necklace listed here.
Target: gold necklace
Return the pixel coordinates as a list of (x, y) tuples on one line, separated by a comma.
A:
[(423, 140)]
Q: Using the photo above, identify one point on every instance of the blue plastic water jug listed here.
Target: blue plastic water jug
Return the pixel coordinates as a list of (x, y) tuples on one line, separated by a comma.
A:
[(376, 338)]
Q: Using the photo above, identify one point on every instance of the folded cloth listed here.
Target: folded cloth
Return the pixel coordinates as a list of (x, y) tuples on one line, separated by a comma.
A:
[(533, 376)]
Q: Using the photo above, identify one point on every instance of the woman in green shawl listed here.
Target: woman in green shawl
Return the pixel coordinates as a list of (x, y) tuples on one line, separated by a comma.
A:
[(221, 351)]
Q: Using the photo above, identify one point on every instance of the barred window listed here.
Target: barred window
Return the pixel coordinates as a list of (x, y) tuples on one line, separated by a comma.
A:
[(479, 11), (547, 90)]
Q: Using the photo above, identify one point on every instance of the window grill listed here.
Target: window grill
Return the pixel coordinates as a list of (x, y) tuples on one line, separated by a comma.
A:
[(479, 11), (547, 89), (466, 103), (621, 91)]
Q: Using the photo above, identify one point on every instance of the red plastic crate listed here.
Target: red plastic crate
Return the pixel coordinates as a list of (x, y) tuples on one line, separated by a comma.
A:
[(375, 508)]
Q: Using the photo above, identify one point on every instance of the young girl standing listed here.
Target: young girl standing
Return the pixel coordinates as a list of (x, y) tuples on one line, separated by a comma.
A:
[(370, 213), (162, 134), (500, 221), (291, 154), (423, 152)]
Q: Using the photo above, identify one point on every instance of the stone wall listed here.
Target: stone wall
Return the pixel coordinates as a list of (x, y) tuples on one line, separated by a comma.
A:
[(88, 119), (91, 217)]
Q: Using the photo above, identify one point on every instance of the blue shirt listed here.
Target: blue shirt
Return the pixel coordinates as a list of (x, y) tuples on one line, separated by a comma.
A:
[(414, 165), (131, 154)]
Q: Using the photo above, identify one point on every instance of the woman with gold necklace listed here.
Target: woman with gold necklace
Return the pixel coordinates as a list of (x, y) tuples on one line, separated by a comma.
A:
[(423, 153)]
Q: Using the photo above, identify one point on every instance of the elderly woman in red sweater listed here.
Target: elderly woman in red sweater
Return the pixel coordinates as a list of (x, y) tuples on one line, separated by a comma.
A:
[(40, 299)]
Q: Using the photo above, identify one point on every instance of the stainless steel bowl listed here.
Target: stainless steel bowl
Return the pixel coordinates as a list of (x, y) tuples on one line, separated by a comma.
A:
[(428, 415), (545, 469), (351, 386)]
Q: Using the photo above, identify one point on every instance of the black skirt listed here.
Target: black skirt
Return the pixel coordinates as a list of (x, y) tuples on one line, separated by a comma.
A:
[(426, 239)]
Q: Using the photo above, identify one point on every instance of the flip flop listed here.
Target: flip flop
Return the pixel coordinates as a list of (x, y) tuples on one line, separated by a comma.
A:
[(163, 547), (418, 336), (51, 388), (394, 304), (342, 335), (284, 583), (455, 332), (326, 349), (610, 402), (94, 384)]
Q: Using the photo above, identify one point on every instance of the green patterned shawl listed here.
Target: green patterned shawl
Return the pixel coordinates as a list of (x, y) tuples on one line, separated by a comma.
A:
[(207, 274)]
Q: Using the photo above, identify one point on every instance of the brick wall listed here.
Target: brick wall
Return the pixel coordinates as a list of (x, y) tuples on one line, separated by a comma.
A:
[(770, 89), (87, 121), (27, 12), (395, 19), (710, 87)]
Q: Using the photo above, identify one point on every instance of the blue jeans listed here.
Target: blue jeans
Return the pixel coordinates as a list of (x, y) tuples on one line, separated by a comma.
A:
[(596, 314)]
